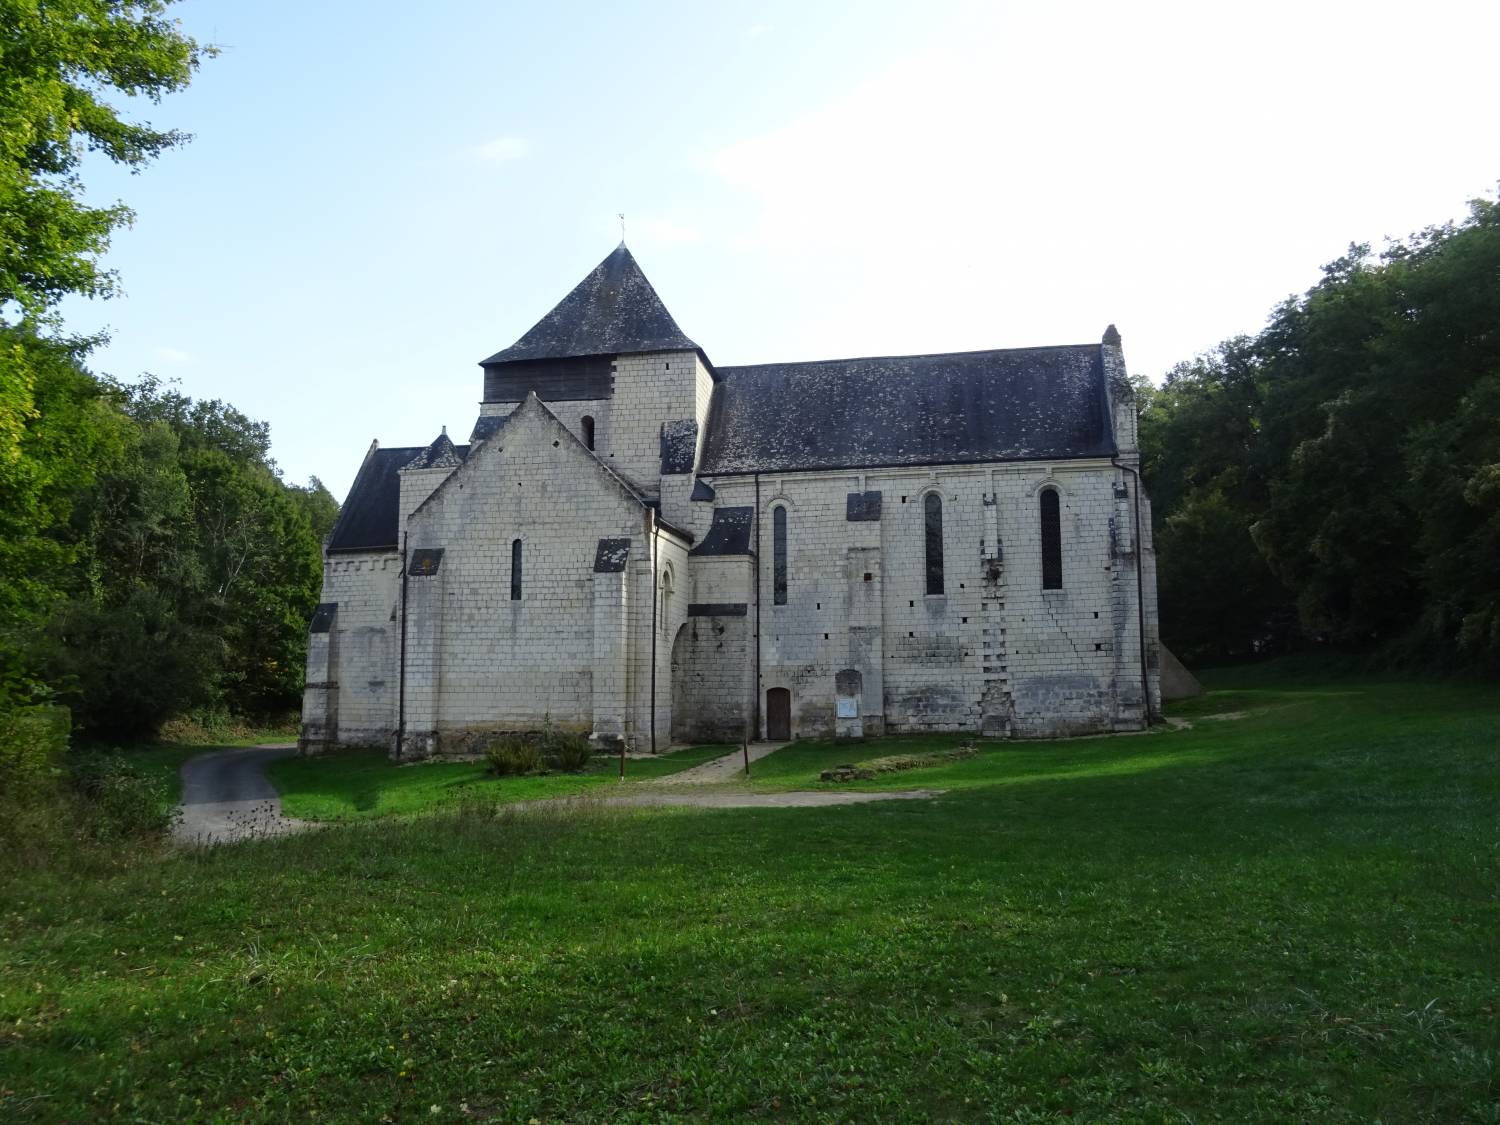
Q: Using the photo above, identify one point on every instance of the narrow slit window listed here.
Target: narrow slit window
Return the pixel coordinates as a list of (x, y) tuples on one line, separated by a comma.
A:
[(1051, 541), (515, 570), (932, 510), (588, 431), (778, 556)]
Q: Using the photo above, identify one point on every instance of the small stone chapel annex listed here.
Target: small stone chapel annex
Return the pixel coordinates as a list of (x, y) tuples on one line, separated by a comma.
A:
[(641, 545)]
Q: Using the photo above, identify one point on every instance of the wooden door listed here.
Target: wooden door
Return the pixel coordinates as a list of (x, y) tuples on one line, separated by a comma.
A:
[(778, 714)]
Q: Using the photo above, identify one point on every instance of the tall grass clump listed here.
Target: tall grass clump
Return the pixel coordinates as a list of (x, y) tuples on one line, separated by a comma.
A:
[(567, 751), (511, 755)]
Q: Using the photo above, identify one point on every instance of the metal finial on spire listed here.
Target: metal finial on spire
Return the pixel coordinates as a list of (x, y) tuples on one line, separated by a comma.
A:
[(445, 431), (622, 226)]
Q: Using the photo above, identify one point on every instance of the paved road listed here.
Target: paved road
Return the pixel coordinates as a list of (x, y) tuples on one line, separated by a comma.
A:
[(226, 797)]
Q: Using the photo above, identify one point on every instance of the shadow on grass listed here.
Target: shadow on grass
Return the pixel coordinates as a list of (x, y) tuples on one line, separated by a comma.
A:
[(361, 784)]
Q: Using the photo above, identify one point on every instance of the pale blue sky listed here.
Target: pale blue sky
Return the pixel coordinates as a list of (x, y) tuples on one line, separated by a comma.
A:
[(381, 194)]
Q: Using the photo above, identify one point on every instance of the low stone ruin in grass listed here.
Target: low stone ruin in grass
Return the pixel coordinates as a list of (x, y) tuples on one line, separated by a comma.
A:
[(893, 763)]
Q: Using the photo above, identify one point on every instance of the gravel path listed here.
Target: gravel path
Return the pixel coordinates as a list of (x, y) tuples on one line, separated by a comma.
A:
[(731, 767), (795, 799), (226, 797)]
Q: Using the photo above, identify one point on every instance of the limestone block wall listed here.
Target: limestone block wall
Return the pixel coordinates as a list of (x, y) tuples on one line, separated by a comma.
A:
[(677, 507), (571, 414), (319, 729), (651, 389), (713, 658), (417, 485), (653, 630), (364, 643), (612, 671), (992, 652), (575, 644)]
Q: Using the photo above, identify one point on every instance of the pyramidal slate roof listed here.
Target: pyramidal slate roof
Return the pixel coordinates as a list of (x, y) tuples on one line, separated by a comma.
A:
[(1006, 405), (441, 454), (613, 311)]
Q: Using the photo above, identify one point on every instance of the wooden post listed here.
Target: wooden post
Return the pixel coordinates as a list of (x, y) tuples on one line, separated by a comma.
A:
[(745, 746)]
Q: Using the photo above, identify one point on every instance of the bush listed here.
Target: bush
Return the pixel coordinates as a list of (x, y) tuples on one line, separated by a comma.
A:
[(569, 752), (511, 755), (126, 668), (124, 802), (32, 742)]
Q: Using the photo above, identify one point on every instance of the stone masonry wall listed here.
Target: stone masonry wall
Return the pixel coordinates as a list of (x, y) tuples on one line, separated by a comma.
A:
[(650, 390), (479, 661), (365, 642), (993, 652), (713, 658)]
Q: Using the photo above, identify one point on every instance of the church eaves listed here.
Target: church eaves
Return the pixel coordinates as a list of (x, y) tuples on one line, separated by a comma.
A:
[(612, 311)]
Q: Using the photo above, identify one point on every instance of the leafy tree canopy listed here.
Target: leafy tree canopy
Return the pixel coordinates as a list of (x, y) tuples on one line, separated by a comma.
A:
[(1336, 479), (61, 61)]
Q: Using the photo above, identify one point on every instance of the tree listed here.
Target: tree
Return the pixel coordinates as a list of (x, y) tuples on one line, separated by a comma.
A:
[(60, 60), (319, 506), (1346, 460), (1199, 447)]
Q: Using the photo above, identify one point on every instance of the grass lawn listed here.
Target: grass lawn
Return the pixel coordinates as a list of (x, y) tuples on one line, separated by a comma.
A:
[(1287, 916), (357, 784)]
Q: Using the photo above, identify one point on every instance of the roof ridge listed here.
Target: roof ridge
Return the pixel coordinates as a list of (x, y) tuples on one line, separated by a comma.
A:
[(910, 355)]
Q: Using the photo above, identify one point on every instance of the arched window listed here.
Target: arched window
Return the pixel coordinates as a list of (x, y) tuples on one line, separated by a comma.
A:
[(515, 570), (932, 512), (588, 431), (665, 598), (778, 556), (1051, 540)]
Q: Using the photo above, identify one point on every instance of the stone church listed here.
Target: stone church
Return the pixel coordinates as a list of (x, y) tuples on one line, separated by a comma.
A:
[(642, 545)]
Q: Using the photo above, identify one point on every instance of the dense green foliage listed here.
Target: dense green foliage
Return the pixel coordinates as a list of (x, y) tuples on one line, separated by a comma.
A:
[(1287, 916), (152, 561), (60, 62), (1336, 479), (156, 561)]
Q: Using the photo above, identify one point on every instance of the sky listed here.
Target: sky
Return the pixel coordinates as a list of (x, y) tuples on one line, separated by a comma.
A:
[(378, 195)]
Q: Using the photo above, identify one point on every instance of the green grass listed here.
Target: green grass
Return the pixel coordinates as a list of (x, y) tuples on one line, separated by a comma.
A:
[(1290, 916), (358, 784)]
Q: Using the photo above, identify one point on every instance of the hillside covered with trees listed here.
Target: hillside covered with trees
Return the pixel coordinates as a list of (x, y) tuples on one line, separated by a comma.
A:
[(1335, 479)]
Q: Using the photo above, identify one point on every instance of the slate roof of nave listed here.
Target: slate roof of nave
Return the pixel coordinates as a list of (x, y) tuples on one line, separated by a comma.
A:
[(612, 311), (1016, 404)]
